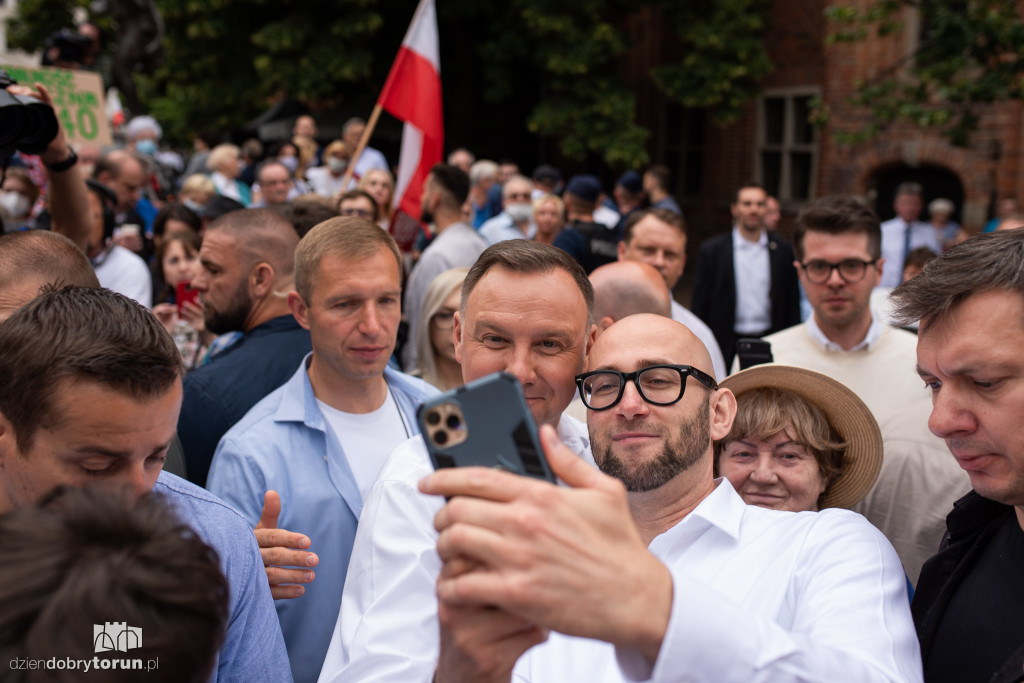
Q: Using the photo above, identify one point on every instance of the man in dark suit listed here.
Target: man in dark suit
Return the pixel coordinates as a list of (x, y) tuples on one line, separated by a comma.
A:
[(967, 607), (746, 285)]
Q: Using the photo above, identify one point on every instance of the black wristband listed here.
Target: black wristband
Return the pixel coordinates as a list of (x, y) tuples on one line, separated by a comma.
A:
[(64, 165)]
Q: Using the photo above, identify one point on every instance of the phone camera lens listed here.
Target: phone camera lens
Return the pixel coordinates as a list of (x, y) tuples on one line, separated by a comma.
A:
[(454, 422), (440, 438), (433, 418)]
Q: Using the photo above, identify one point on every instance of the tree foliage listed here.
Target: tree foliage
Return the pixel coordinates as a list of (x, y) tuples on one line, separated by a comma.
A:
[(724, 55), (225, 61), (969, 53)]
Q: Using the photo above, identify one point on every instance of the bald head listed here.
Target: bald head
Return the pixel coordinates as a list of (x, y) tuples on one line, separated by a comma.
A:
[(645, 339), (625, 288), (34, 259)]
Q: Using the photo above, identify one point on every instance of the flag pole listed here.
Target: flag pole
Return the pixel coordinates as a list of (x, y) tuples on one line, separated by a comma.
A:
[(363, 140)]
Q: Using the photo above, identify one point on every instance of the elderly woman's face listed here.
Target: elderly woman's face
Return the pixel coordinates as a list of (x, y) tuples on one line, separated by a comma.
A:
[(777, 473)]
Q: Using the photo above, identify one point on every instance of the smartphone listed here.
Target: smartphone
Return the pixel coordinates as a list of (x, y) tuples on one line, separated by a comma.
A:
[(184, 292), (753, 351), (485, 423)]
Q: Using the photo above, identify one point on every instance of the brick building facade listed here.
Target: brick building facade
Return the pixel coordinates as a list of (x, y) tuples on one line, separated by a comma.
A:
[(773, 144)]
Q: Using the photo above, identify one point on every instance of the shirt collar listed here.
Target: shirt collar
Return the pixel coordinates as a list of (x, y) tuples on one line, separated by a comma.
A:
[(741, 242), (722, 509), (867, 343)]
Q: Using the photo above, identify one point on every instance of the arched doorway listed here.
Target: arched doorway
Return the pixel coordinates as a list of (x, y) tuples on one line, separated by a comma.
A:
[(937, 181)]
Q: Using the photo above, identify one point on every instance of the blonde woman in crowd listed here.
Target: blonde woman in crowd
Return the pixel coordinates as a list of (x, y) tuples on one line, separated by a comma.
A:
[(436, 362), (549, 217), (380, 185)]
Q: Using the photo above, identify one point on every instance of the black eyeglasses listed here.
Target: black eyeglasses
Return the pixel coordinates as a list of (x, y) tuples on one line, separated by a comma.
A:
[(660, 385), (851, 270)]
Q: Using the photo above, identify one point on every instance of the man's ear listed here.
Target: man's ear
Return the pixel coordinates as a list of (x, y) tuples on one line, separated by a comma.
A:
[(723, 412), (8, 445), (261, 280), (299, 309), (457, 335)]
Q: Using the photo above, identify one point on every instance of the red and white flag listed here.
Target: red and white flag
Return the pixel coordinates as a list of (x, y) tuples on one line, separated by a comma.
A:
[(412, 94)]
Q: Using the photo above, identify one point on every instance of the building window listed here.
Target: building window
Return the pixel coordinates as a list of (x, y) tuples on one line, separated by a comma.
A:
[(787, 146), (683, 150)]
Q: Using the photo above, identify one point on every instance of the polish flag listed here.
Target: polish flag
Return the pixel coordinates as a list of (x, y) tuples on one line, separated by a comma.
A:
[(412, 94)]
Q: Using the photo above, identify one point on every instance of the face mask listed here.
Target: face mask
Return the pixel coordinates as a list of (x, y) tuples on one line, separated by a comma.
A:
[(194, 205), (519, 212), (291, 163), (337, 165), (14, 204), (147, 147)]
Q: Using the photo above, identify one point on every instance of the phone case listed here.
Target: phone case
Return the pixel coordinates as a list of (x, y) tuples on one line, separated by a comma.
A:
[(485, 423)]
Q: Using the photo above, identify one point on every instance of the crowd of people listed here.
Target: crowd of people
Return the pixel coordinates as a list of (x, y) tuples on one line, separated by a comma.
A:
[(753, 488)]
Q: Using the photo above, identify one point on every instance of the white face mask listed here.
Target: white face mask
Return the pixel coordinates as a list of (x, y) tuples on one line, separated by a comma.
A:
[(519, 212), (337, 165), (291, 163), (14, 204)]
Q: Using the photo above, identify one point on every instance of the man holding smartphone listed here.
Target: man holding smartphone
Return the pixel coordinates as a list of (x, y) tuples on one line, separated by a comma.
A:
[(654, 569), (526, 310)]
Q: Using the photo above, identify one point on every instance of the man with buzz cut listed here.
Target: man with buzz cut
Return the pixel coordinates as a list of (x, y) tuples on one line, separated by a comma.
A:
[(319, 442), (839, 261), (247, 262), (96, 407)]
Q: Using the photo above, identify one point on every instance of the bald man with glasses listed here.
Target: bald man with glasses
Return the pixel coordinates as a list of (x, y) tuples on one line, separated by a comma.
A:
[(652, 569), (838, 245)]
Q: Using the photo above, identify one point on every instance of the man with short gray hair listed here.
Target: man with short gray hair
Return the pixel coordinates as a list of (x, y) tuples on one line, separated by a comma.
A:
[(516, 220), (482, 176), (905, 232), (371, 158)]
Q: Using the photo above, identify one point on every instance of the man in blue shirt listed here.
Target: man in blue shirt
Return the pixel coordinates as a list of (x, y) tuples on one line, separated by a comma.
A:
[(96, 406), (317, 444)]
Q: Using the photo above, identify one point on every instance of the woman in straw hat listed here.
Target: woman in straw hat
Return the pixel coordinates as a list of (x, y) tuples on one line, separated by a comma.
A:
[(800, 441)]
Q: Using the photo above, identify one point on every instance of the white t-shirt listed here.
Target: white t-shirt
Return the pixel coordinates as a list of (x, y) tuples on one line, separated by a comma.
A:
[(377, 433)]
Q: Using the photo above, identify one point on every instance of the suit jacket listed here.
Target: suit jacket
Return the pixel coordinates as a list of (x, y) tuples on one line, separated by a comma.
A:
[(969, 527), (714, 289)]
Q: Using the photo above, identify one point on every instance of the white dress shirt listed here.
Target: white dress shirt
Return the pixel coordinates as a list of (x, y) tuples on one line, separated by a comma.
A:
[(894, 236), (752, 269), (387, 629), (761, 596)]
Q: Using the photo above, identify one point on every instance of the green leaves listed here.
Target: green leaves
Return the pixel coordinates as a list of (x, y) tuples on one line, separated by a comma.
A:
[(968, 53)]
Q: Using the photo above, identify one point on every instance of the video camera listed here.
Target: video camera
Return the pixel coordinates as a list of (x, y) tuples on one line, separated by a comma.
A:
[(26, 124)]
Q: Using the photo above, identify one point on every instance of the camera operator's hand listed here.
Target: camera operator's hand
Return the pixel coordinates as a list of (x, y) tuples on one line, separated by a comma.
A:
[(67, 195)]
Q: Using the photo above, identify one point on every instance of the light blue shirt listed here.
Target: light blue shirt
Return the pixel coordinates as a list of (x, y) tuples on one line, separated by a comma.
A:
[(285, 444), (501, 228), (253, 648)]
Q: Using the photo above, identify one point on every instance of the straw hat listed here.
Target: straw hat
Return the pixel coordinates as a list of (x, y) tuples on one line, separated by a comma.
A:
[(844, 410)]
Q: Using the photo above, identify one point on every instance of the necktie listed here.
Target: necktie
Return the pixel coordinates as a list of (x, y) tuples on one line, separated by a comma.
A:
[(906, 245)]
